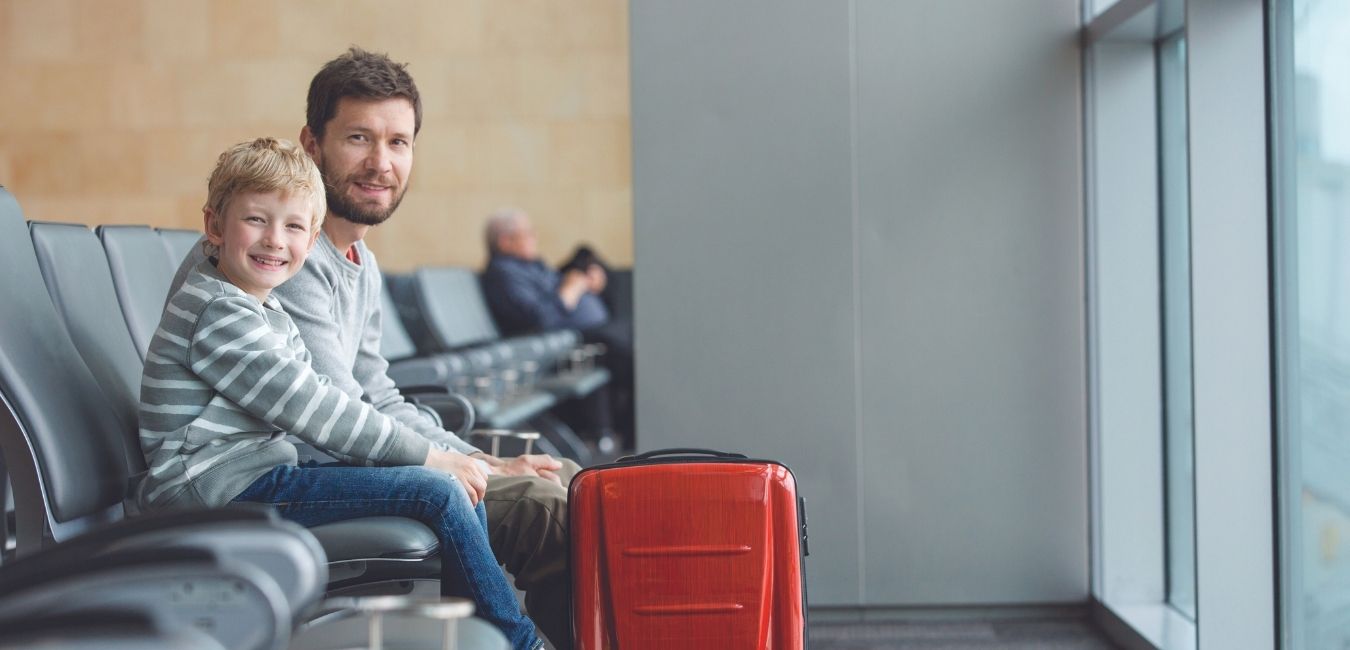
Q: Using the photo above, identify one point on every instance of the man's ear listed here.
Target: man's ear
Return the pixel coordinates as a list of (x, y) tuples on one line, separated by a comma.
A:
[(212, 226), (309, 142)]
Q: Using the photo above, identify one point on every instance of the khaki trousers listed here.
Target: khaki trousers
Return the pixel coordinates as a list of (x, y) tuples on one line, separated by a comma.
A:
[(527, 525)]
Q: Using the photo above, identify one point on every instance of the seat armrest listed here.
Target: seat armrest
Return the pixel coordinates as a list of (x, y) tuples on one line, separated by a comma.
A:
[(495, 437), (452, 411)]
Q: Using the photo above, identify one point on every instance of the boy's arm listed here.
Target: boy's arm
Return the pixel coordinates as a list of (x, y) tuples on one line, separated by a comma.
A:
[(234, 350), (309, 298)]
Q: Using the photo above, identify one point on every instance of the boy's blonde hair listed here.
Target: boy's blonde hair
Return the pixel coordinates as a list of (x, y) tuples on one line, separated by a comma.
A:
[(265, 165)]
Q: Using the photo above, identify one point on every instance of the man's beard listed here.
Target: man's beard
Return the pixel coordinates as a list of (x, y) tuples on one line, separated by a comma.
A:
[(339, 205)]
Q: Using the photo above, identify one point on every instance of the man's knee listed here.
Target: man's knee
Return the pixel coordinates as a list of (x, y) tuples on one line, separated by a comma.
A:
[(526, 514)]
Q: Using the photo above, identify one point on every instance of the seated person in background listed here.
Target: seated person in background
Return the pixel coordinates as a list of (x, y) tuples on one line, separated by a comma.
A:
[(228, 376), (526, 295)]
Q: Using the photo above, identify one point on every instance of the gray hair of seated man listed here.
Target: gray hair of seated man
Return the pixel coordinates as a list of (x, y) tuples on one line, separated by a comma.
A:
[(502, 222)]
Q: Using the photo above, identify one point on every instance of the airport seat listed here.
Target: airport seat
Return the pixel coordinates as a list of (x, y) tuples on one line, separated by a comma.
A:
[(179, 243), (453, 315), (141, 274), (73, 452), (114, 628), (232, 605), (470, 371), (284, 552)]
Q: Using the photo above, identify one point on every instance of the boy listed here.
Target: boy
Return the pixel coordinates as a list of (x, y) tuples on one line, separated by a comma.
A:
[(227, 377)]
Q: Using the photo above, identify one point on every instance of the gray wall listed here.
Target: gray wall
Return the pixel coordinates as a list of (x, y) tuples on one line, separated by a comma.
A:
[(859, 251)]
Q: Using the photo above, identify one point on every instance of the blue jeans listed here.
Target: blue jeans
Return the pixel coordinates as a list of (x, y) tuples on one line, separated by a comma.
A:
[(314, 494)]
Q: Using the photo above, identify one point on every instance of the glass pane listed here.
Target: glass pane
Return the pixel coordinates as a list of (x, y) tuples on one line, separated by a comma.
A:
[(1176, 314), (1312, 99)]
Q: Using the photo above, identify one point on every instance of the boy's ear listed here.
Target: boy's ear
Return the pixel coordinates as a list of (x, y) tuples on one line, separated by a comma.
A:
[(212, 226), (309, 142), (314, 238)]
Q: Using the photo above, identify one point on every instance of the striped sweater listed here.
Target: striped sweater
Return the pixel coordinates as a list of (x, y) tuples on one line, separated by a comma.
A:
[(226, 377)]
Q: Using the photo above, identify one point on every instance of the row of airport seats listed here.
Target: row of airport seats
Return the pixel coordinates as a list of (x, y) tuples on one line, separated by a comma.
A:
[(444, 335), (78, 320)]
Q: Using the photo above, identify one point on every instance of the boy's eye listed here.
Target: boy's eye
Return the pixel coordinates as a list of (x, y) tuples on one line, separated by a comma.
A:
[(253, 219), (298, 227)]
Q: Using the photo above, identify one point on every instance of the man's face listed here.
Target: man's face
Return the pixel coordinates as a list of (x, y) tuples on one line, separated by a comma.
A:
[(365, 156), (520, 240)]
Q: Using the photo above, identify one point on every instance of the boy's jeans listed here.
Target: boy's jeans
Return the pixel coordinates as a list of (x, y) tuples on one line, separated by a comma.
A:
[(314, 494)]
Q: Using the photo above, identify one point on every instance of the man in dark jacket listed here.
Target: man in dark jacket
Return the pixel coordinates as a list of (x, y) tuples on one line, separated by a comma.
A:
[(527, 295)]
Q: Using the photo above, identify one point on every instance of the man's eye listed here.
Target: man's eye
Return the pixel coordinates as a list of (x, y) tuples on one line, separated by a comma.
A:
[(357, 137)]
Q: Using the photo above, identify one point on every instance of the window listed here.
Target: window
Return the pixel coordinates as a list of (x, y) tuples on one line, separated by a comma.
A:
[(1178, 420), (1312, 225)]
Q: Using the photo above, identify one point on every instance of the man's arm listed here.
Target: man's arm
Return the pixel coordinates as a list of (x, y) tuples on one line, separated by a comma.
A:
[(371, 371), (525, 303)]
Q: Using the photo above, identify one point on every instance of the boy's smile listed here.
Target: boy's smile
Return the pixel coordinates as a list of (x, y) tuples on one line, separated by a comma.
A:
[(263, 239)]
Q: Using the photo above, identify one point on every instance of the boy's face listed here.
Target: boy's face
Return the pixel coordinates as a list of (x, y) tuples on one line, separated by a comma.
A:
[(263, 239), (365, 157)]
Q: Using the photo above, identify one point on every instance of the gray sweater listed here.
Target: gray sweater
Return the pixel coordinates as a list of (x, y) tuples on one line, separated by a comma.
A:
[(336, 306), (226, 377)]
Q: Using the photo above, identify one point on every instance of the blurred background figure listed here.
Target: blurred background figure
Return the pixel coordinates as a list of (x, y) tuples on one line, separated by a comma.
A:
[(527, 295)]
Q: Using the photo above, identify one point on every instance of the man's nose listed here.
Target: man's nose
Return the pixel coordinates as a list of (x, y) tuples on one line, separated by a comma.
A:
[(378, 159)]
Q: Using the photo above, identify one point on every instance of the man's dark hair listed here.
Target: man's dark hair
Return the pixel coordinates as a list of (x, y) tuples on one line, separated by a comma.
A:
[(363, 75)]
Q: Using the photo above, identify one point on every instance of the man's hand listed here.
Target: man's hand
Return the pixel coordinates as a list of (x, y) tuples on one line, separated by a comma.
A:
[(596, 278), (574, 285), (542, 465), (464, 468)]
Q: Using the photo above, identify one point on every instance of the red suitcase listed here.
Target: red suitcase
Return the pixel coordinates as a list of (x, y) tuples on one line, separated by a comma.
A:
[(687, 548)]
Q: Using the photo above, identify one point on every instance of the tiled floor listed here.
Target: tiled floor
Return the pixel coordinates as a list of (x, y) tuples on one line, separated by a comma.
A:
[(1032, 634)]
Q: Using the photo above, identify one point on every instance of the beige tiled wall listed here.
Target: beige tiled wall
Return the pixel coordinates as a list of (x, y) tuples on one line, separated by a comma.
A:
[(113, 111)]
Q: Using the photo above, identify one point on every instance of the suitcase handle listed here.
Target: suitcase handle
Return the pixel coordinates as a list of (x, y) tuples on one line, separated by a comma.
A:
[(678, 451)]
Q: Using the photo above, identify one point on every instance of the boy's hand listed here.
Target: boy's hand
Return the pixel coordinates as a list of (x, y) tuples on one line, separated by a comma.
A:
[(464, 468)]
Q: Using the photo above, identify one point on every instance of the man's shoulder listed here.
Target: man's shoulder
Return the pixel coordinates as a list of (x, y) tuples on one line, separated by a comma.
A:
[(502, 266)]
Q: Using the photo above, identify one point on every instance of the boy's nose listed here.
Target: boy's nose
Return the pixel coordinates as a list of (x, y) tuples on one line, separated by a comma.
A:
[(271, 238)]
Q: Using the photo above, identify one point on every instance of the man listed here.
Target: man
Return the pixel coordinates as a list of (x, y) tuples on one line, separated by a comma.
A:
[(526, 295), (362, 117)]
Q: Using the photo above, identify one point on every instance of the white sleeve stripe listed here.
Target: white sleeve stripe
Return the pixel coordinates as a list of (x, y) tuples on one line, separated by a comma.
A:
[(262, 382), (230, 346), (312, 406), (352, 434), (386, 430), (171, 409), (285, 397), (192, 290), (322, 438), (227, 320), (174, 383), (181, 313)]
